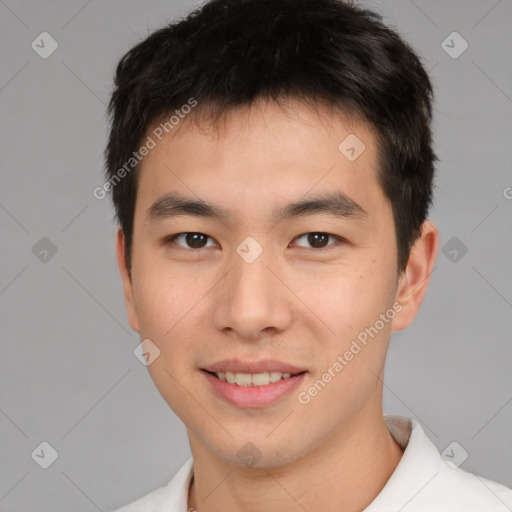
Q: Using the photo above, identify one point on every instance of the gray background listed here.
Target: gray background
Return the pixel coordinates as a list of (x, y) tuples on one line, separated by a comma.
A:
[(68, 375)]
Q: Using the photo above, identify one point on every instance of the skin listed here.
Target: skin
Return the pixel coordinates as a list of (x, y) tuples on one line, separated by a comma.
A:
[(295, 303)]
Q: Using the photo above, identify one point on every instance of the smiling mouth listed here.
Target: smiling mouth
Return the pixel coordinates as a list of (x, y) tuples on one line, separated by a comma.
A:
[(253, 379)]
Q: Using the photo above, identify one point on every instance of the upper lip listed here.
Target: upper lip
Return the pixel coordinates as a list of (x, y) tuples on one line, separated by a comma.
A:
[(238, 366)]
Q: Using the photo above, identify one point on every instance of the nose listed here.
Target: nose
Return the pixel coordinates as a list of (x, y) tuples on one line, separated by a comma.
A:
[(252, 302)]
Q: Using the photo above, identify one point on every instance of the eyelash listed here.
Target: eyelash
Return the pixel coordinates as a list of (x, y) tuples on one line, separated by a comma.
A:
[(338, 239)]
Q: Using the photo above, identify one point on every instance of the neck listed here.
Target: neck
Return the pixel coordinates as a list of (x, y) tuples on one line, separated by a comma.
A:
[(344, 474)]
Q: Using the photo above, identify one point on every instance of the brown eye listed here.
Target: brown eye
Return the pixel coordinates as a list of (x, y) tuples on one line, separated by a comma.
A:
[(192, 240), (318, 240)]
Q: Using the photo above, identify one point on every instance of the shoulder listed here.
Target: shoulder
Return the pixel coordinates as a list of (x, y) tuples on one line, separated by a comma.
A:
[(148, 503), (173, 496), (458, 490), (425, 480)]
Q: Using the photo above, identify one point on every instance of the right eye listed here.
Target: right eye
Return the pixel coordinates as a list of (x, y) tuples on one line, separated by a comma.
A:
[(193, 239)]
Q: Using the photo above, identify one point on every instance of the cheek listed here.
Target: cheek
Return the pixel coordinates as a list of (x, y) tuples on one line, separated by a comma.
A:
[(165, 298), (351, 305), (346, 299), (167, 307)]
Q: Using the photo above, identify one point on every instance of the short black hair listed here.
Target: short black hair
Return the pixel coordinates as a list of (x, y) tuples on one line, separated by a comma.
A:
[(228, 53)]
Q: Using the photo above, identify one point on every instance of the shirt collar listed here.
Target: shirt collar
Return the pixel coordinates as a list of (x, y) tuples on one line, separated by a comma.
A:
[(420, 463)]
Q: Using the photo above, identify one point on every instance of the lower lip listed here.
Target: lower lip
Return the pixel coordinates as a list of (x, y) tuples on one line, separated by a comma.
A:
[(253, 396)]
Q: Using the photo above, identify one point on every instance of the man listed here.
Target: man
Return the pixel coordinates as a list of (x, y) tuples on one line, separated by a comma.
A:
[(271, 167)]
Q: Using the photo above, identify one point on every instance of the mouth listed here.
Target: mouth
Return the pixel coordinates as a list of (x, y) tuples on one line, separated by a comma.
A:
[(253, 379), (253, 390)]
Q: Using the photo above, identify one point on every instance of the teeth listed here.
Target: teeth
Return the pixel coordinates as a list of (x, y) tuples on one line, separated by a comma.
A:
[(255, 379)]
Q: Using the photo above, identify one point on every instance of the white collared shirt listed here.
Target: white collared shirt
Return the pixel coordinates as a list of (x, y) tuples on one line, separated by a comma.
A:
[(423, 481)]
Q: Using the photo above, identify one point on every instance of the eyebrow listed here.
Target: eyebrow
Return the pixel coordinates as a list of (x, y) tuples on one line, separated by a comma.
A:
[(336, 204)]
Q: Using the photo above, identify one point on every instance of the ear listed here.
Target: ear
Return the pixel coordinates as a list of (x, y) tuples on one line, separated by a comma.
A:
[(127, 281), (414, 280)]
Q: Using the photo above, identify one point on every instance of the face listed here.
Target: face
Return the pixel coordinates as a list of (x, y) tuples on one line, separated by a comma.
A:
[(252, 277)]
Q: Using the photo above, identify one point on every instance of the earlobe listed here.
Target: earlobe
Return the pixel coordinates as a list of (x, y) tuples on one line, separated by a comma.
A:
[(127, 281), (414, 281)]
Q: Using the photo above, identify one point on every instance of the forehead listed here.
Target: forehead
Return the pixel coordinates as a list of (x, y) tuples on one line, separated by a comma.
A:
[(261, 155)]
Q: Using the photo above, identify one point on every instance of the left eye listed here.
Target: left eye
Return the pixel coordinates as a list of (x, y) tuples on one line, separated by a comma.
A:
[(318, 240), (193, 240)]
